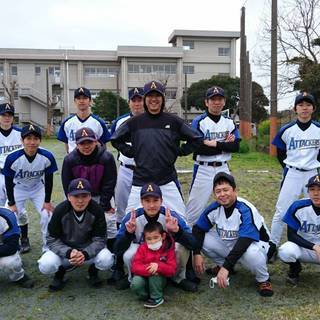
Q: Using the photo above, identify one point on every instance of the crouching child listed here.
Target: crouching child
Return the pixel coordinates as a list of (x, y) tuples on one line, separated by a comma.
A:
[(153, 263)]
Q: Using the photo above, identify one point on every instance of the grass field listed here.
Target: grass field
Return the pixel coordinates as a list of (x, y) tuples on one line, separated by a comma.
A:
[(258, 178)]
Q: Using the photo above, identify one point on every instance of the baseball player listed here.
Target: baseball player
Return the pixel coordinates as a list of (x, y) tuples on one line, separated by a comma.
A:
[(10, 140), (231, 230), (130, 234), (298, 145), (155, 136), (83, 118), (76, 236), (29, 175), (303, 222), (93, 162), (221, 138), (125, 171), (10, 261)]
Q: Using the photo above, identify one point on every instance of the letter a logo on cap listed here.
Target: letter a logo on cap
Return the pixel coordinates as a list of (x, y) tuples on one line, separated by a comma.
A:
[(31, 127), (80, 185), (316, 179), (149, 189), (84, 133), (153, 85), (8, 107), (215, 90), (81, 90), (136, 90)]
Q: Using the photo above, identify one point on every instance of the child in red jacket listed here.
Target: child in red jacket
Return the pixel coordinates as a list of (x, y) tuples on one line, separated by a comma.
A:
[(153, 263)]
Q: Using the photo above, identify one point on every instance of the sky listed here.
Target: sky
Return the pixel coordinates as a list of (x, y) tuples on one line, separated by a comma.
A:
[(105, 24)]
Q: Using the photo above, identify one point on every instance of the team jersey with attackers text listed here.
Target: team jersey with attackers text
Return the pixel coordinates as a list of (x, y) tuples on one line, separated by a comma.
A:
[(302, 218), (245, 221), (29, 175), (215, 131), (69, 127), (301, 146), (9, 143), (117, 123)]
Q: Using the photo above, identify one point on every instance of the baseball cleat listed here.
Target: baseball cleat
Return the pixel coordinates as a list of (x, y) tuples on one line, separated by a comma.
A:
[(25, 245), (265, 289)]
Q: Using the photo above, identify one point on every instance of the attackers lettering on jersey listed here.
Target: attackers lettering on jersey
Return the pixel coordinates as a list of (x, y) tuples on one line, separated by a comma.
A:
[(8, 149), (309, 227), (29, 174), (227, 234), (303, 143), (209, 135)]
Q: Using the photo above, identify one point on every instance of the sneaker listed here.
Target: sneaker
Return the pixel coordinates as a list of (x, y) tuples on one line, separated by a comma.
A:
[(154, 303), (25, 282), (116, 276), (265, 289), (25, 245), (293, 273), (58, 282), (272, 252), (93, 277), (123, 284), (187, 285)]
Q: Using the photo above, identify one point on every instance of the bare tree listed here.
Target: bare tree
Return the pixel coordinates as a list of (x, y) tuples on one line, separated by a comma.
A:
[(10, 90)]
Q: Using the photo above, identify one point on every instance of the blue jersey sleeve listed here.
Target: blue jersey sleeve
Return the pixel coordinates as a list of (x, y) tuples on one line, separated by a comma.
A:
[(181, 222), (105, 137), (53, 164), (123, 229), (236, 133), (204, 222), (290, 217), (196, 123), (62, 134), (247, 228), (11, 158)]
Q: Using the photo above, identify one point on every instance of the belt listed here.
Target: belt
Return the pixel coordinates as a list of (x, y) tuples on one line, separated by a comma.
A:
[(129, 166), (212, 164), (303, 170)]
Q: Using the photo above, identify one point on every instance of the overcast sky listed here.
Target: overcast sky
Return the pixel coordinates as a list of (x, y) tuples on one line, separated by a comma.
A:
[(105, 24)]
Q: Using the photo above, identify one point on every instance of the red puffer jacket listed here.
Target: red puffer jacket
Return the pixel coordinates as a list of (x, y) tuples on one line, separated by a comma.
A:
[(165, 257)]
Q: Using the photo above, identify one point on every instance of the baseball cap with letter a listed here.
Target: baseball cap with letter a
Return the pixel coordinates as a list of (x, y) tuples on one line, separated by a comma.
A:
[(136, 92), (150, 190), (85, 134), (313, 181), (215, 91), (82, 91), (30, 129), (79, 186), (6, 108)]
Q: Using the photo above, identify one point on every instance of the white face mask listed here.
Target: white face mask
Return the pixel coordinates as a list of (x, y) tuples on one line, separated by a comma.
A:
[(155, 246)]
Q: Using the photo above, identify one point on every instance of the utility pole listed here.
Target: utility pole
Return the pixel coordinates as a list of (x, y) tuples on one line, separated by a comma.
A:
[(274, 78), (185, 97), (118, 94), (49, 111)]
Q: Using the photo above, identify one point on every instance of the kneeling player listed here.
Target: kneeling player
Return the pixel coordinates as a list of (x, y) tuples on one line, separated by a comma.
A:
[(303, 221), (10, 261), (29, 175), (76, 236), (130, 235), (239, 234)]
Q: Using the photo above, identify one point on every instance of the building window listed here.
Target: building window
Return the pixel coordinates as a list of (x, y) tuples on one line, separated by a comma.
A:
[(152, 68), (14, 70), (188, 69), (188, 44), (37, 70), (15, 95), (100, 71), (171, 93), (54, 71), (224, 52)]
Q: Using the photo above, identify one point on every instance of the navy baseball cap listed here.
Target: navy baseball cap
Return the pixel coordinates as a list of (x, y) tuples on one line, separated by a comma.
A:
[(79, 186), (154, 86), (82, 91), (150, 190), (6, 108), (136, 92), (305, 96), (85, 134), (313, 181), (223, 176), (31, 129), (214, 91)]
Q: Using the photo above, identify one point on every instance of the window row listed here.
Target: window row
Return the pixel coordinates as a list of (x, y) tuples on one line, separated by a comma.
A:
[(152, 68), (95, 71)]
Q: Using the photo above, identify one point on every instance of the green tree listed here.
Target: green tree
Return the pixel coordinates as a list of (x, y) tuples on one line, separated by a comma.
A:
[(105, 105), (231, 86)]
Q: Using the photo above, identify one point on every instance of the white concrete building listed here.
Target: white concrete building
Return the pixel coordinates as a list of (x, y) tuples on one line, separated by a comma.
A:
[(199, 54)]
